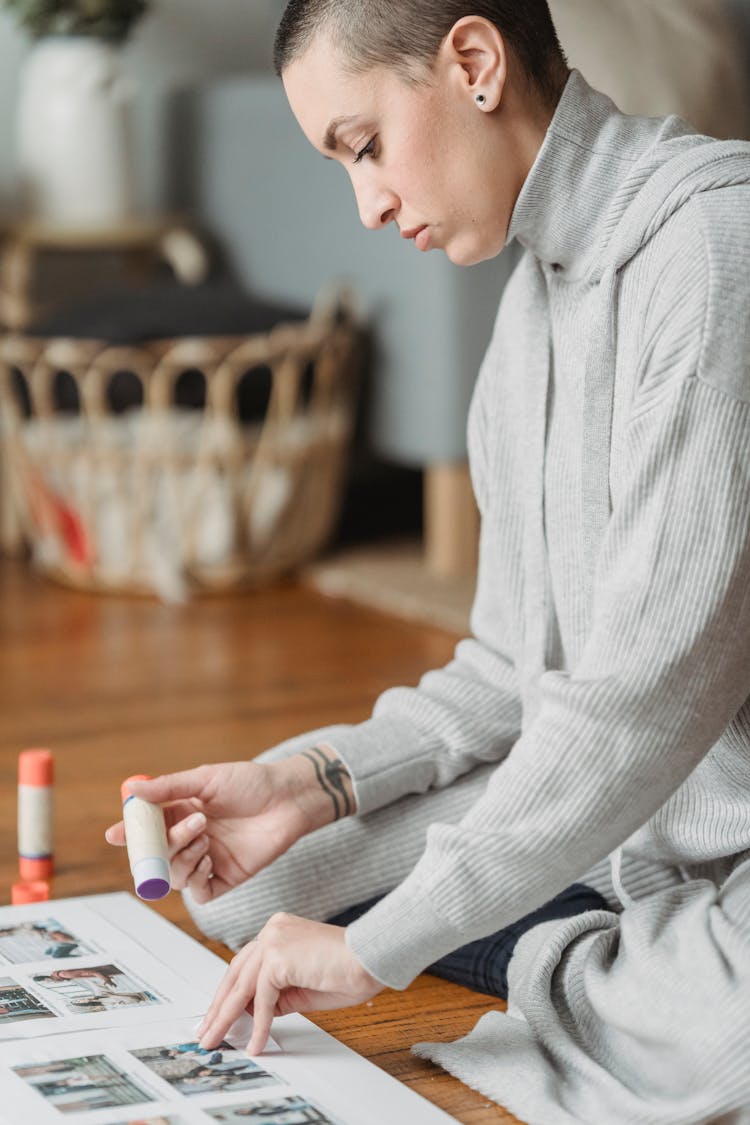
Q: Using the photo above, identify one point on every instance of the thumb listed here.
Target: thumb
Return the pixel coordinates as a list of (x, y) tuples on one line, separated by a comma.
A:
[(115, 834), (171, 786)]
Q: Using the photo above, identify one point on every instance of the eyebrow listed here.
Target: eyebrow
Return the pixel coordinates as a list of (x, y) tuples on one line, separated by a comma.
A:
[(329, 140)]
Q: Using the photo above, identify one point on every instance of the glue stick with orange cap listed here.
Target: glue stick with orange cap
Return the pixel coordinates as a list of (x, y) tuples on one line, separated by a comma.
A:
[(21, 894), (146, 837), (35, 778)]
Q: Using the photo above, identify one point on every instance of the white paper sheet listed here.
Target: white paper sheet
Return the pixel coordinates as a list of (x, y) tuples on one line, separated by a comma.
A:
[(72, 966), (142, 1065)]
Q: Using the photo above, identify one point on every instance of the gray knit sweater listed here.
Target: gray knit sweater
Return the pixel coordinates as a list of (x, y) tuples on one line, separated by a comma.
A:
[(608, 673)]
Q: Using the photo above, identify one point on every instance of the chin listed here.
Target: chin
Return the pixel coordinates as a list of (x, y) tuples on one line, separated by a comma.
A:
[(472, 253)]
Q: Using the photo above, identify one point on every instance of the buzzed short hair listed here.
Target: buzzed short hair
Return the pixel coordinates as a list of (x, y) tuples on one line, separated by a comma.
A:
[(405, 35)]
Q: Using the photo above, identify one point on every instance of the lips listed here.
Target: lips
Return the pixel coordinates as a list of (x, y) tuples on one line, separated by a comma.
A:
[(422, 239), (419, 235)]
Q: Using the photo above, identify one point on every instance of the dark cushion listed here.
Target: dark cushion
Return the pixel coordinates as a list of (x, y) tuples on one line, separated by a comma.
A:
[(162, 311), (166, 309)]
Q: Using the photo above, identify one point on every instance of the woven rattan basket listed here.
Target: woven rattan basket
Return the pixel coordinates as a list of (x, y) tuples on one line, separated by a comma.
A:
[(166, 500)]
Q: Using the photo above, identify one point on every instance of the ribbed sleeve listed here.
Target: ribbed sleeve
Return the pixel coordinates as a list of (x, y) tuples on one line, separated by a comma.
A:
[(666, 667), (468, 712), (419, 738)]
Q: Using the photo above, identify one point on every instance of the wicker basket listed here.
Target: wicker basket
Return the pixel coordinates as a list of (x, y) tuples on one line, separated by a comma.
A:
[(165, 500)]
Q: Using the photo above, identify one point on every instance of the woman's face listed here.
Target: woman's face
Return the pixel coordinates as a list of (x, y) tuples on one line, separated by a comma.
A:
[(423, 157)]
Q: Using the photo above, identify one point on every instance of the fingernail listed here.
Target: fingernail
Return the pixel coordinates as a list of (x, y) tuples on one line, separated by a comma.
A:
[(196, 821), (107, 836)]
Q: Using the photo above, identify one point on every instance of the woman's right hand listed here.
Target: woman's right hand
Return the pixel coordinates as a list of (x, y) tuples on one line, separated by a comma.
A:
[(226, 822)]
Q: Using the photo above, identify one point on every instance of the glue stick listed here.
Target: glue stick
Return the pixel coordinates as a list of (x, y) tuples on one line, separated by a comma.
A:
[(35, 777), (146, 837)]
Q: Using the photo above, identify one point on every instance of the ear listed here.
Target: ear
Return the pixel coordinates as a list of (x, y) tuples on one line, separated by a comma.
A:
[(474, 50)]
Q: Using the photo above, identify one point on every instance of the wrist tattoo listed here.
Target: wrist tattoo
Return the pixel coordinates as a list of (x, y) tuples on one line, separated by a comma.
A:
[(330, 773)]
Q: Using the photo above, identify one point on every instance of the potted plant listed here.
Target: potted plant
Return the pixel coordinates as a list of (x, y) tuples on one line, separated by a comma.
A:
[(74, 149), (110, 20)]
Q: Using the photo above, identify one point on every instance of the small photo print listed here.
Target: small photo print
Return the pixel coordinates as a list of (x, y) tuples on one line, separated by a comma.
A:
[(192, 1069), (16, 1003), (39, 941), (161, 1120), (100, 988), (85, 1083), (284, 1111)]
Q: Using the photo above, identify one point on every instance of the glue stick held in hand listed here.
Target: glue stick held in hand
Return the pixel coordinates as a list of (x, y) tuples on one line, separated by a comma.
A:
[(146, 838), (35, 777)]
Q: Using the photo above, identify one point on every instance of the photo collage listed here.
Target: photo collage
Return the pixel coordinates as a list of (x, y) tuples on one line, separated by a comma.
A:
[(56, 976), (28, 942), (167, 1073), (100, 999), (98, 1012)]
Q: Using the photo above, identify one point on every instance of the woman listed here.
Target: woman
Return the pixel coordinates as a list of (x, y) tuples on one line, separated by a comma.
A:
[(600, 708)]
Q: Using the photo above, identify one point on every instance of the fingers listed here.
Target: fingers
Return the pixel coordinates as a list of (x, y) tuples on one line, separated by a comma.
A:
[(264, 1008), (180, 810), (186, 863), (173, 814), (235, 992), (185, 833), (204, 884), (192, 865), (171, 786), (228, 983), (115, 834), (200, 881)]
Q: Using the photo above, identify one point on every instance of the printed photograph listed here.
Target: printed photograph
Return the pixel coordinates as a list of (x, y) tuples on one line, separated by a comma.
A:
[(100, 988), (284, 1111), (37, 941), (16, 1003), (85, 1083), (151, 1121), (191, 1069)]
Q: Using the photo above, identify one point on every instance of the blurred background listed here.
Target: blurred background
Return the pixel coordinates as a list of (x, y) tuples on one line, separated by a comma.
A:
[(215, 177)]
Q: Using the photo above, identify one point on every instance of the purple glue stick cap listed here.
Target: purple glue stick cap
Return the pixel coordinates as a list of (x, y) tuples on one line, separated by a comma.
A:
[(151, 878)]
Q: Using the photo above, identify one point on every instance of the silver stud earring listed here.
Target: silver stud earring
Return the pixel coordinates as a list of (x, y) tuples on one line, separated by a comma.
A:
[(480, 100)]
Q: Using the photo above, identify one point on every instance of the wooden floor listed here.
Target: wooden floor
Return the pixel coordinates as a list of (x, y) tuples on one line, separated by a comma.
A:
[(118, 686)]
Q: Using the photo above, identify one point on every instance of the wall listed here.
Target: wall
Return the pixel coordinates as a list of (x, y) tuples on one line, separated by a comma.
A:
[(658, 57)]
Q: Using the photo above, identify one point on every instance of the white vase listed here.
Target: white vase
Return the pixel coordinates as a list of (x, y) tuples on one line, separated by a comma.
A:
[(75, 159)]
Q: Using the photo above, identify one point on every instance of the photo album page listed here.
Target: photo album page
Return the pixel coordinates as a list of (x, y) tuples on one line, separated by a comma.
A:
[(100, 999)]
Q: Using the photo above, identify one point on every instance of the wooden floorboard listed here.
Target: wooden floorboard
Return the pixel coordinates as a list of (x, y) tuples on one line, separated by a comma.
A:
[(118, 686)]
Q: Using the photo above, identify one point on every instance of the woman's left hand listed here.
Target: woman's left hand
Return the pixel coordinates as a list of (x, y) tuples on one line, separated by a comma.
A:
[(293, 965)]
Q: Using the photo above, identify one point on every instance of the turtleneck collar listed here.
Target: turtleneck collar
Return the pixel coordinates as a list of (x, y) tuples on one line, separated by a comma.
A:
[(588, 153)]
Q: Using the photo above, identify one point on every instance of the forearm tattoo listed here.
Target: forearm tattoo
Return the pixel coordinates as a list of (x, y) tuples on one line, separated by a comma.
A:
[(330, 773)]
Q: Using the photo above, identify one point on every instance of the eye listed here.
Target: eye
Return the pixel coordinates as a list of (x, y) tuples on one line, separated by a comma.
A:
[(368, 150)]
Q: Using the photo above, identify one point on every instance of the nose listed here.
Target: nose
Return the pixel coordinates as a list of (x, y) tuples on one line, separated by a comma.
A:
[(377, 206)]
